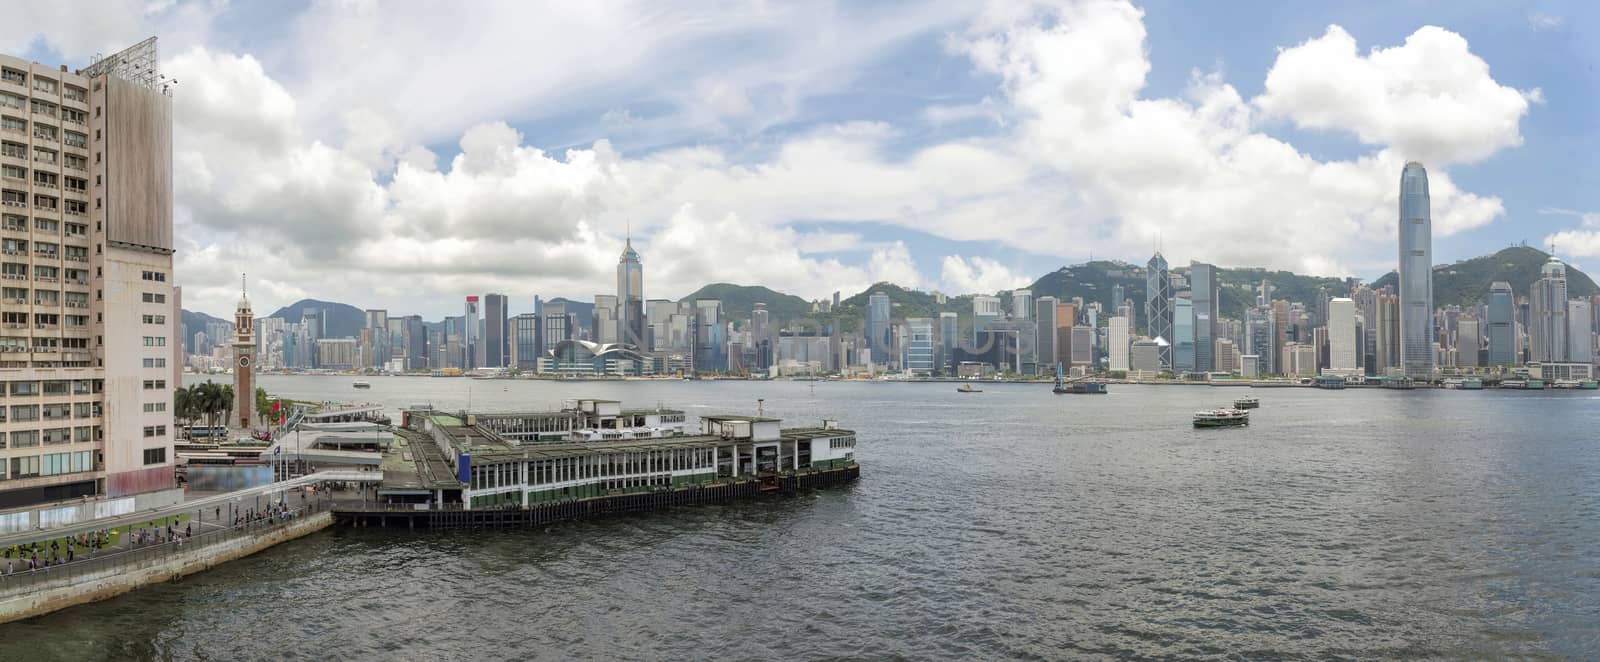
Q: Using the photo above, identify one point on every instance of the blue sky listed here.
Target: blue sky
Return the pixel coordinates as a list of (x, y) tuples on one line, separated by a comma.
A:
[(403, 155)]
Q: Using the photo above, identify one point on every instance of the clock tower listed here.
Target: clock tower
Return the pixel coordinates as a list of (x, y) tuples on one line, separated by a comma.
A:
[(244, 356)]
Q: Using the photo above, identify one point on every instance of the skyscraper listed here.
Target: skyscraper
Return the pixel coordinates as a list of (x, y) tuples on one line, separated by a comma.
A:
[(1182, 335), (630, 298), (496, 342), (878, 326), (1502, 325), (469, 340), (1022, 304), (1119, 343), (985, 309), (1580, 334), (1547, 314), (1045, 320), (1158, 307), (1469, 338), (1342, 336), (1416, 273), (1203, 284), (948, 337), (919, 346), (710, 350)]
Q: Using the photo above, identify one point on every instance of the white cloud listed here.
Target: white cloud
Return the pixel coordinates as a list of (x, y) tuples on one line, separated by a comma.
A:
[(1430, 99), (1590, 219), (978, 275), (1543, 22), (320, 179)]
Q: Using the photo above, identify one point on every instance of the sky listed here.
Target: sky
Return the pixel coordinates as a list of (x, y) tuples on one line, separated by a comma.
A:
[(403, 155)]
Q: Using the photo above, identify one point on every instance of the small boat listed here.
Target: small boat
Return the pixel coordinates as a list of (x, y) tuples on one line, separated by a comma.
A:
[(1588, 385), (1221, 418), (1246, 403), (967, 388), (361, 384)]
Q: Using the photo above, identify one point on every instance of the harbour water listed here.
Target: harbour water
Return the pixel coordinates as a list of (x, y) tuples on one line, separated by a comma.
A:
[(1008, 524)]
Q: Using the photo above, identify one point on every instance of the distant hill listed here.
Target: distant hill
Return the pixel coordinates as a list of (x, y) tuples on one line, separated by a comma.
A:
[(341, 320), (1238, 288), (1466, 283), (1093, 281), (903, 303), (739, 300), (194, 322)]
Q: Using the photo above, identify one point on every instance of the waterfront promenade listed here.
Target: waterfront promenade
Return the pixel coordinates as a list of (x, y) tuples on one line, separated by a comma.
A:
[(204, 532)]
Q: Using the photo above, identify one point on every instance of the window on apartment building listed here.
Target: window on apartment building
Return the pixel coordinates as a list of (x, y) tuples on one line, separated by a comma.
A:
[(45, 85), (56, 387), (74, 116), (24, 389), (24, 467), (9, 100), (75, 93), (75, 139), (156, 276), (82, 409), (155, 430), (155, 455), (13, 172), (155, 319), (155, 362), (155, 384), (23, 413), (82, 433), (75, 162), (155, 341), (152, 297), (53, 436), (154, 407), (42, 107), (17, 124), (10, 75)]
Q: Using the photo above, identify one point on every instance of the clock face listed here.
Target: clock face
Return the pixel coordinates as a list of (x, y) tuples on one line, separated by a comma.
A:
[(244, 361)]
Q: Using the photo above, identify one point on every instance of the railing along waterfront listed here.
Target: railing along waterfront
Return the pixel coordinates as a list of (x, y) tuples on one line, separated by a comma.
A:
[(143, 555)]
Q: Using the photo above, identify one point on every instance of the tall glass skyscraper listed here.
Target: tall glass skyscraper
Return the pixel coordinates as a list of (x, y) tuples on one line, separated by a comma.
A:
[(878, 326), (1416, 274), (1183, 317), (1158, 306), (1205, 292), (630, 297)]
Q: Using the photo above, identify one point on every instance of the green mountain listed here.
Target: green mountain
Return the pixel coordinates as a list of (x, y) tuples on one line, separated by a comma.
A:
[(739, 300), (1238, 288), (1466, 283), (1093, 281), (903, 303), (341, 320)]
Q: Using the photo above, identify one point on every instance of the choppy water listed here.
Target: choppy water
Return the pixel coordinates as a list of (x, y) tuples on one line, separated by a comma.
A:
[(1008, 524)]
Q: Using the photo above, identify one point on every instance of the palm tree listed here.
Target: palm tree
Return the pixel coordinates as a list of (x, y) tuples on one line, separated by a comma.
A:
[(263, 405), (183, 404), (212, 400)]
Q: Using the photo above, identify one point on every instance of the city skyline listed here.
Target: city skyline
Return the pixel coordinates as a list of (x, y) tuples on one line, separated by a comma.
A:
[(830, 182)]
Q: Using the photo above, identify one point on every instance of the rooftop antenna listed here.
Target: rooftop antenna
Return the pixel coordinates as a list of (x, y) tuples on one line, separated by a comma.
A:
[(243, 293)]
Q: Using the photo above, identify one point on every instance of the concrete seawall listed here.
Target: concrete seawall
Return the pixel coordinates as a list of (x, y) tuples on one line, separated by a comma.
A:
[(115, 579)]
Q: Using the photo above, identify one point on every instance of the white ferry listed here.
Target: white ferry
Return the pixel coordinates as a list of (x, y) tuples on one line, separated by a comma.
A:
[(1220, 418)]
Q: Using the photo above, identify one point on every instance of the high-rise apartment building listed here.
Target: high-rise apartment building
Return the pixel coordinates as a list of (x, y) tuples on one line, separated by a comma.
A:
[(1158, 307), (1204, 293), (88, 301), (525, 345), (1547, 314), (1416, 274)]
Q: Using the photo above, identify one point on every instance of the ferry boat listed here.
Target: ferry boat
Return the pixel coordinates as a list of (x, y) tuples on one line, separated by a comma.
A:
[(1588, 385), (1221, 418), (967, 388), (362, 384), (1246, 403), (1076, 387)]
